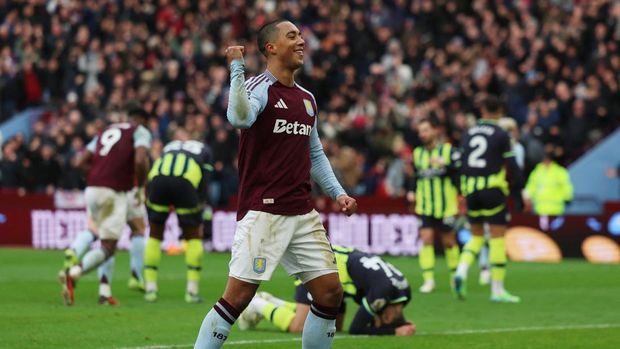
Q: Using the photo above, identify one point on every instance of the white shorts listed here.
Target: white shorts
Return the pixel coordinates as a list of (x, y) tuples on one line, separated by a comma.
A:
[(135, 208), (108, 210), (300, 243)]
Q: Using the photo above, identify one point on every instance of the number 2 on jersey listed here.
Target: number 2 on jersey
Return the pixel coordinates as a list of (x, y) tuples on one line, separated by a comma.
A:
[(108, 139), (479, 145)]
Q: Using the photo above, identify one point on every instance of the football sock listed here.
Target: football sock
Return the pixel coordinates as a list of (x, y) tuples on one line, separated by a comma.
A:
[(216, 326), (483, 257), (319, 328), (136, 256), (193, 259), (290, 305), (427, 262), (152, 257), (497, 257), (91, 260), (104, 287), (105, 276), (278, 302), (280, 316), (452, 258), (82, 242), (470, 251)]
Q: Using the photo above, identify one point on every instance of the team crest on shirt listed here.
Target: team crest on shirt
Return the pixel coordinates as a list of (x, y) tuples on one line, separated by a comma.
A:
[(309, 107), (260, 264)]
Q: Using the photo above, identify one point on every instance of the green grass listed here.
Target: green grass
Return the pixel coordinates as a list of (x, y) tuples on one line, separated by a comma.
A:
[(563, 306)]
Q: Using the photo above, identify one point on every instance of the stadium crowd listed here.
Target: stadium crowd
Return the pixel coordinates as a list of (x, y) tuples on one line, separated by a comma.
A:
[(376, 67)]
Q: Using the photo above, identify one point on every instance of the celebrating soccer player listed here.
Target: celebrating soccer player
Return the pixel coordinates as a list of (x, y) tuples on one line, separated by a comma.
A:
[(279, 151)]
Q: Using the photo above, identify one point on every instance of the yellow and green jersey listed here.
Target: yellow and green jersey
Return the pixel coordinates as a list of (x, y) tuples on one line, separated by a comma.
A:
[(435, 173), (185, 159)]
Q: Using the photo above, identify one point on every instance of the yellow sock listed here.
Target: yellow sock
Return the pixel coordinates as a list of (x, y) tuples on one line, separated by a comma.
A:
[(281, 316), (471, 250), (497, 258), (193, 259), (452, 258), (290, 305), (427, 262), (152, 257)]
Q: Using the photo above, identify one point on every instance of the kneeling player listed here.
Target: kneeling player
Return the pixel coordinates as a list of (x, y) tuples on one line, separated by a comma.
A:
[(178, 180), (378, 287)]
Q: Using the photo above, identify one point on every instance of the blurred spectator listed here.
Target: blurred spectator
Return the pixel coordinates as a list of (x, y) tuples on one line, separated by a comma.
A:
[(549, 186)]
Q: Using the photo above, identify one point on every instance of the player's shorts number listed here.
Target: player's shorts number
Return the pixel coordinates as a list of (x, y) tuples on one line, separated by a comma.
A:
[(480, 146), (108, 139)]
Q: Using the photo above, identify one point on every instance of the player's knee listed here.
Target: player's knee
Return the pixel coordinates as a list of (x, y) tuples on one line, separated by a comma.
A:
[(239, 295), (331, 296)]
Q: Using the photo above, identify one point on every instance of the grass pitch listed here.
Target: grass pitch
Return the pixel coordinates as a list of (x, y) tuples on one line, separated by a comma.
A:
[(569, 305)]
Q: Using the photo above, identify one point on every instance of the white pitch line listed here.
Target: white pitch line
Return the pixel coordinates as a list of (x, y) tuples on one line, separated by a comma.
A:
[(431, 333)]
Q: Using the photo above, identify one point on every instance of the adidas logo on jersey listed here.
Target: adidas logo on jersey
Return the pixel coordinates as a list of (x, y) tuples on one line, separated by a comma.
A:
[(295, 128), (281, 104)]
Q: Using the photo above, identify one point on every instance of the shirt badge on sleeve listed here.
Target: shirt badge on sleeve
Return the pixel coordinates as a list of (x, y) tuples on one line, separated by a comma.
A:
[(309, 107)]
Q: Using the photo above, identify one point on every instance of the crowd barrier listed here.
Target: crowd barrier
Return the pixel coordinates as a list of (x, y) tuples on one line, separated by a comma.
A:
[(383, 226)]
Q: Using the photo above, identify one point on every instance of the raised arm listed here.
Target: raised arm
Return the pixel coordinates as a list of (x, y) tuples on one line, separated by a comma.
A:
[(243, 108)]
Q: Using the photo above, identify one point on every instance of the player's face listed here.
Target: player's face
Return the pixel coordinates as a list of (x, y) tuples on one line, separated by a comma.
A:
[(290, 45), (426, 133)]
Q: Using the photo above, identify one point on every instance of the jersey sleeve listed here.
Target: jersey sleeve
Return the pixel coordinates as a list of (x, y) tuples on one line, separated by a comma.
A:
[(142, 137), (92, 145), (321, 170), (363, 323), (514, 171), (243, 105), (454, 168), (506, 146)]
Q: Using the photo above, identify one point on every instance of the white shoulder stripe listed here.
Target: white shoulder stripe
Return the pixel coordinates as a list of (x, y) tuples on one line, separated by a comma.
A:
[(308, 92)]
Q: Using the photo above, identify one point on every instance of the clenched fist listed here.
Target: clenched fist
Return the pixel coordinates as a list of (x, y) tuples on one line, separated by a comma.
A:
[(234, 52)]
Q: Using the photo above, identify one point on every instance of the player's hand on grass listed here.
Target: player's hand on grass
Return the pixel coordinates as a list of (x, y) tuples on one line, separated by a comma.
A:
[(348, 205), (234, 52), (407, 329)]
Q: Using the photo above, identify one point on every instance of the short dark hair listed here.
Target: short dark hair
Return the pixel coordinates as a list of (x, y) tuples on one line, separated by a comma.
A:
[(433, 121), (266, 33), (492, 104), (134, 109)]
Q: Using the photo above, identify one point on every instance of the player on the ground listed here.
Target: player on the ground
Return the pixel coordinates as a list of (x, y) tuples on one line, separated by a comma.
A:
[(279, 151), (380, 290), (179, 180), (436, 165), (119, 161), (487, 156)]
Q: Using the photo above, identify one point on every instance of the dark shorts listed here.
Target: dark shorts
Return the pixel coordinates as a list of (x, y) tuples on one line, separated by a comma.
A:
[(443, 225), (167, 193), (487, 206), (302, 296)]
